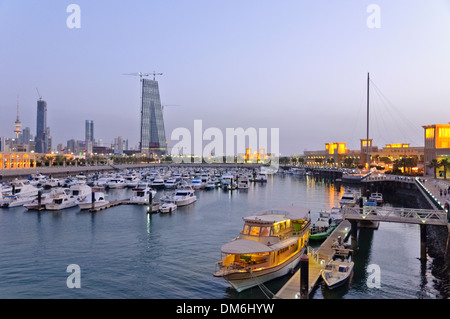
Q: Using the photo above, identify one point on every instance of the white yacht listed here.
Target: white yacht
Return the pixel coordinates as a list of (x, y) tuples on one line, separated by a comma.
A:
[(114, 183), (378, 197), (46, 198), (80, 191), (167, 207), (171, 183), (52, 182), (142, 193), (197, 183), (349, 198), (184, 196), (20, 192), (261, 177), (269, 246), (158, 183), (61, 200), (99, 199), (242, 182)]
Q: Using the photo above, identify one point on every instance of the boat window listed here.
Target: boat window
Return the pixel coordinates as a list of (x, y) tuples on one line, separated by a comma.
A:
[(276, 228), (342, 269), (288, 223), (265, 231), (254, 230), (245, 231)]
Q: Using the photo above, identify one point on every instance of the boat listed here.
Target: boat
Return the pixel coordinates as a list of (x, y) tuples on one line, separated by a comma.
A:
[(142, 193), (228, 182), (261, 177), (337, 272), (269, 246), (158, 183), (197, 183), (210, 185), (99, 199), (115, 183), (19, 193), (242, 182), (171, 183), (349, 198), (62, 200), (323, 227), (80, 191), (336, 214), (167, 207), (45, 199), (52, 182), (184, 196), (378, 197)]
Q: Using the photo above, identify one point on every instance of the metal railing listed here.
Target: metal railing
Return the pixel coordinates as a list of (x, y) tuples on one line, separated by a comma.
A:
[(396, 215)]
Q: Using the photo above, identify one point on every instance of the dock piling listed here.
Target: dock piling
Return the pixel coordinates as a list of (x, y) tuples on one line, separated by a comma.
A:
[(423, 242), (304, 276)]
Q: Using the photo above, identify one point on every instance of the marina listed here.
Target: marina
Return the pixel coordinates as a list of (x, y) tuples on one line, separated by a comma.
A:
[(177, 252)]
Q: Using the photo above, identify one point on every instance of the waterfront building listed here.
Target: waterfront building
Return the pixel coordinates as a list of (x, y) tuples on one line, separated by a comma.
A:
[(19, 160), (41, 127), (437, 147), (153, 137)]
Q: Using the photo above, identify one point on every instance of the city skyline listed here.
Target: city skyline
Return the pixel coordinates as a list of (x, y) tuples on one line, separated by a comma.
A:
[(297, 67)]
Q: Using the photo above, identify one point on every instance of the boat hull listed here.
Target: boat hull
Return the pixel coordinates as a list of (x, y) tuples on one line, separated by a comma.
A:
[(245, 280)]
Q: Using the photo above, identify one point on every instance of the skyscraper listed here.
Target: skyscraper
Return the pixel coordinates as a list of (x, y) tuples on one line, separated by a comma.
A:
[(153, 135), (41, 127), (17, 123), (89, 131)]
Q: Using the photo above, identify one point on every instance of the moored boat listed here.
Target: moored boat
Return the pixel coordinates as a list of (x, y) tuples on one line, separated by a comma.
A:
[(323, 227), (337, 272), (269, 246)]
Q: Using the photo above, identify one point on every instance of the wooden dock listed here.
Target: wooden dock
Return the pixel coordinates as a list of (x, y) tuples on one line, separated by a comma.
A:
[(155, 205), (317, 262)]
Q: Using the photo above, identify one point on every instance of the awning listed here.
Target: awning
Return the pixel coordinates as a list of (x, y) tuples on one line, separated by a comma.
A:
[(245, 246), (285, 243)]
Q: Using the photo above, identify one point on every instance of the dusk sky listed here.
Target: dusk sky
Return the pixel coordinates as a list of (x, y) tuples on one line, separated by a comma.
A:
[(299, 66)]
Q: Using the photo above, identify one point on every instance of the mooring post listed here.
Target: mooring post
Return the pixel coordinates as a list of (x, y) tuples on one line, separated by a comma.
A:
[(354, 234), (93, 200), (447, 246), (150, 202), (423, 242), (304, 276), (39, 199)]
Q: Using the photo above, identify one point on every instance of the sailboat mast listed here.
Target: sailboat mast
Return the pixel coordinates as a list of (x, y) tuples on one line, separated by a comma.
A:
[(367, 140)]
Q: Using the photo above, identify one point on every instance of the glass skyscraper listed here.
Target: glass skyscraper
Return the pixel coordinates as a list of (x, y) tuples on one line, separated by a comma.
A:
[(41, 127), (89, 131), (153, 135)]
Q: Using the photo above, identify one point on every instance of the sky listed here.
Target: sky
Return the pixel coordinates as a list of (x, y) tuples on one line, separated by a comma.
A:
[(299, 66)]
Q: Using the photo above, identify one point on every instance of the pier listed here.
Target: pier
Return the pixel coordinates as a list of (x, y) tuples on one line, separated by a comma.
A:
[(317, 261)]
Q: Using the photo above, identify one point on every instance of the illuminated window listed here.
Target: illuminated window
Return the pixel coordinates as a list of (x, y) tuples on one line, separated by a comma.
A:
[(254, 231), (443, 138), (429, 133), (245, 231), (265, 231)]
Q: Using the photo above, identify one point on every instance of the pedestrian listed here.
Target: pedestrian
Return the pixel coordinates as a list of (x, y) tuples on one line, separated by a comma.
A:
[(440, 192)]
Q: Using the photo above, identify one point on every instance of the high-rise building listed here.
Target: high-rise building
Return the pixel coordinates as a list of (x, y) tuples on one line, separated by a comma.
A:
[(41, 127), (17, 123), (89, 131), (153, 136)]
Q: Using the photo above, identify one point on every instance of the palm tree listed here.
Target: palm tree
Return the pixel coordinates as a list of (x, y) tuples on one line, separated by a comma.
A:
[(446, 165), (434, 164)]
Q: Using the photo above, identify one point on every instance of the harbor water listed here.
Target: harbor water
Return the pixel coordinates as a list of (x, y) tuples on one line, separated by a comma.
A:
[(123, 252)]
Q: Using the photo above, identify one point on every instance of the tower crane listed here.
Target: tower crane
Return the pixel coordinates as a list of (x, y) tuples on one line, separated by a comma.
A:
[(40, 97)]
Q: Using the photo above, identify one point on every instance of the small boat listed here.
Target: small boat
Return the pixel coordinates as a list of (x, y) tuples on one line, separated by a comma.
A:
[(115, 183), (349, 198), (269, 246), (197, 183), (99, 199), (171, 183), (80, 191), (142, 193), (337, 272), (158, 183), (378, 197), (15, 201), (167, 207), (210, 185), (261, 177), (323, 227), (184, 196), (242, 182), (336, 215), (62, 200), (46, 198)]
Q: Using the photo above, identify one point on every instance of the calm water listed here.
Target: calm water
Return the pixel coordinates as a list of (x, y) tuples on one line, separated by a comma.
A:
[(125, 253)]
